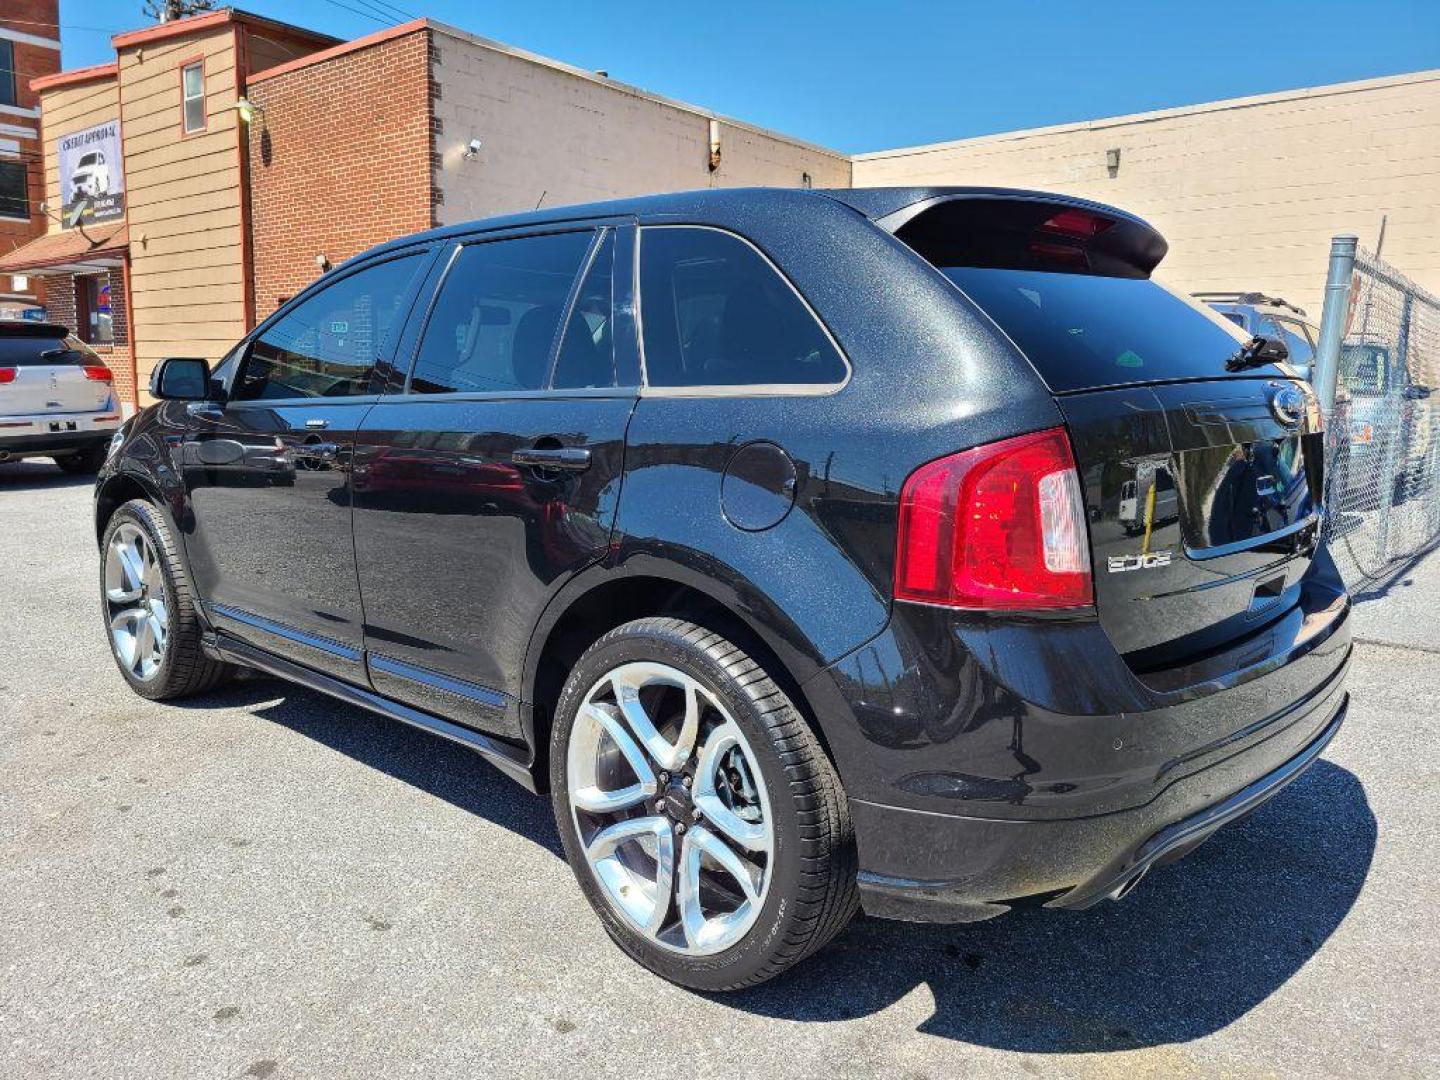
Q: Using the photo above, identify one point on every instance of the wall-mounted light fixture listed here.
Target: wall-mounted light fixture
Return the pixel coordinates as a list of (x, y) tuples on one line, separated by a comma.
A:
[(1112, 160), (714, 145), (472, 150), (323, 262), (249, 111)]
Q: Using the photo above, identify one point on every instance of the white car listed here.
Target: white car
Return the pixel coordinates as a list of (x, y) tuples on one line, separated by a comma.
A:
[(91, 177), (57, 398)]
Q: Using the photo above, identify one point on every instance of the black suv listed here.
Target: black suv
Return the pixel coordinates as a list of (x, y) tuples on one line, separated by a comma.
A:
[(778, 535)]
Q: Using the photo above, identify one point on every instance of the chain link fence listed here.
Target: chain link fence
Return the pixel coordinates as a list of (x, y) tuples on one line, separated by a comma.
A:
[(1383, 438)]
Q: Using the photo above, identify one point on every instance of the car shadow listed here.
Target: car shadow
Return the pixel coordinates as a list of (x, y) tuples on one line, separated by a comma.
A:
[(1196, 946), (39, 474), (443, 769)]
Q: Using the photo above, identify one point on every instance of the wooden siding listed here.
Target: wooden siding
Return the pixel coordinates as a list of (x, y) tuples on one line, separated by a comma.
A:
[(184, 193)]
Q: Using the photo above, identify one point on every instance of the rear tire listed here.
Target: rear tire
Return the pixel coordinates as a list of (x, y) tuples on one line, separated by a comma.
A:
[(86, 462), (148, 603), (766, 803)]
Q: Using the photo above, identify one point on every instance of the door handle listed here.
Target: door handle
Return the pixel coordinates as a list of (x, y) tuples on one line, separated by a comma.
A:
[(317, 424), (570, 458)]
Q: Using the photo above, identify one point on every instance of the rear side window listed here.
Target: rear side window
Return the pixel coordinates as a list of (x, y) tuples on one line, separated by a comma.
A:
[(1298, 340), (714, 312), (327, 345), (1083, 331), (495, 321), (587, 352)]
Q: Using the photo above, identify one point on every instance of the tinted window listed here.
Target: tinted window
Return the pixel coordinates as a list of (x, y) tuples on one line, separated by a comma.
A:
[(7, 73), (494, 323), (36, 351), (14, 191), (715, 313), (587, 352), (328, 344), (1082, 331)]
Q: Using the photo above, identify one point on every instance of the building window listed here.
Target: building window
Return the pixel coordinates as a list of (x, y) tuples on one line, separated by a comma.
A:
[(7, 72), (14, 191), (192, 88), (92, 310)]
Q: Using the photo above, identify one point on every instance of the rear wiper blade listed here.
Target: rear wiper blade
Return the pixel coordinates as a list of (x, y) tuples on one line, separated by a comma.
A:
[(1257, 352)]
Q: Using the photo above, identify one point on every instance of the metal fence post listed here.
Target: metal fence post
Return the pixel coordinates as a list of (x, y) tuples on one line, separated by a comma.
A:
[(1332, 319)]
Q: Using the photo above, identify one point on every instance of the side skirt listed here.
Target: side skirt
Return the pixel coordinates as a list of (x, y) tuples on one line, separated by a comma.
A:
[(513, 761)]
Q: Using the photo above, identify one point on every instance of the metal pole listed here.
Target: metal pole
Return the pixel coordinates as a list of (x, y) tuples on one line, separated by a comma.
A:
[(1332, 320)]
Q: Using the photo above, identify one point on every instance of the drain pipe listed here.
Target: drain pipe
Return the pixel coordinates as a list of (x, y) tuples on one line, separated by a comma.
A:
[(1333, 317)]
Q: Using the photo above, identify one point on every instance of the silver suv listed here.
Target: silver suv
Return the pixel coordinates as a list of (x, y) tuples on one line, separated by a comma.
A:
[(57, 398), (1269, 316)]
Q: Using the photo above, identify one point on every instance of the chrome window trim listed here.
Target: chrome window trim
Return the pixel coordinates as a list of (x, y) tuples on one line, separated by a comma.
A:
[(733, 389)]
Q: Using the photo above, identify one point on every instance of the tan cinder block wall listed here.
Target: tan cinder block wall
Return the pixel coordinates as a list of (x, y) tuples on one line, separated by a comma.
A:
[(575, 137), (1248, 192)]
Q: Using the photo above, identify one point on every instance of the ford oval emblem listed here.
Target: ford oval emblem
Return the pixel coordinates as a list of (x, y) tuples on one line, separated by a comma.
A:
[(1288, 403)]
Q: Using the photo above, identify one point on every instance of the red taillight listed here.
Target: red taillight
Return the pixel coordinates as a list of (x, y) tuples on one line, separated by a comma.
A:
[(997, 527), (7, 374), (99, 373), (1078, 223)]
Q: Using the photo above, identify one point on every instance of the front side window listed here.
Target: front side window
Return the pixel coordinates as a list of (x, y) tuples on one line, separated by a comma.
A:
[(328, 344), (14, 191), (495, 321), (192, 85), (714, 312)]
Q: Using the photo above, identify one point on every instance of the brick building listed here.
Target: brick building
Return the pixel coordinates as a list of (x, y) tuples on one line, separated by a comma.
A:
[(372, 139), (29, 48)]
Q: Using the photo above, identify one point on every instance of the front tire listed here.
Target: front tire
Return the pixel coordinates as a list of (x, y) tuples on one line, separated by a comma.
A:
[(149, 607), (704, 821)]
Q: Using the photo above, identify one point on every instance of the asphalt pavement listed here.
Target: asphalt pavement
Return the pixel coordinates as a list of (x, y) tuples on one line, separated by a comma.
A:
[(262, 882)]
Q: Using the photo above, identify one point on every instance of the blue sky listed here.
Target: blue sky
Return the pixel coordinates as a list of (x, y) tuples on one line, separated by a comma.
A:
[(869, 76)]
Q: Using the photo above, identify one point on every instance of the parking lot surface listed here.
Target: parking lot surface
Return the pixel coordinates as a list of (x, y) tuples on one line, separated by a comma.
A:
[(262, 882)]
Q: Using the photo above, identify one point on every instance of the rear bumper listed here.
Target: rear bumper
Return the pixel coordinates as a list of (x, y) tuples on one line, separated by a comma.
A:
[(1106, 856), (992, 765), (44, 435)]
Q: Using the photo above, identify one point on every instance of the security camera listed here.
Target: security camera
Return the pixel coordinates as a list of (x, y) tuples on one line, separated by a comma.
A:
[(472, 149)]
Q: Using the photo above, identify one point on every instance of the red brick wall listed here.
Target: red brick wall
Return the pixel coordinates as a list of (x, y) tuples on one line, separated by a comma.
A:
[(36, 18), (339, 162)]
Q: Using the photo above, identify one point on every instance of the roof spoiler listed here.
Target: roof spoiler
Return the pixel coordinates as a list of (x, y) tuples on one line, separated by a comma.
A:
[(1027, 231)]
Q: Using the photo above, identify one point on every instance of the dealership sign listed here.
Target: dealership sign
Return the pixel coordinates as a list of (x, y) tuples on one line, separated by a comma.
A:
[(92, 182)]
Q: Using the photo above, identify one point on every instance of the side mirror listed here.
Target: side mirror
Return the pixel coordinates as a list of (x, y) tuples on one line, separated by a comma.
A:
[(180, 378), (1416, 392)]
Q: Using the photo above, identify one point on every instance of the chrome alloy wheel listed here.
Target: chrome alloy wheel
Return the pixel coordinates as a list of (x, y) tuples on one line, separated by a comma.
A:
[(670, 808), (135, 602)]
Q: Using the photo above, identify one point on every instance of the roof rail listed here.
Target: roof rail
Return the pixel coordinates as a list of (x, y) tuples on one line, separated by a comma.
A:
[(1247, 298)]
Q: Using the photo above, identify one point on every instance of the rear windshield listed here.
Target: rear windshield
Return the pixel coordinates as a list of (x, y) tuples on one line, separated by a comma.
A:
[(1084, 331), (35, 352), (28, 351)]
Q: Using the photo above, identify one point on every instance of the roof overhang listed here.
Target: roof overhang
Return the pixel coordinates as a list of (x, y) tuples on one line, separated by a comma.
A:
[(71, 252), (74, 77)]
